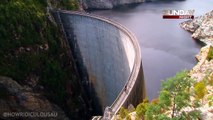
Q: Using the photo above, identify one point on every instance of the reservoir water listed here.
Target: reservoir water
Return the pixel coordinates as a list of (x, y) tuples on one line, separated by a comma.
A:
[(166, 48)]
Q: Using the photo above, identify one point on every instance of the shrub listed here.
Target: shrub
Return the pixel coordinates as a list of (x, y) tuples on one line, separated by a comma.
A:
[(155, 101), (210, 81), (210, 100), (123, 112), (70, 4), (200, 90), (141, 108), (128, 117), (210, 54)]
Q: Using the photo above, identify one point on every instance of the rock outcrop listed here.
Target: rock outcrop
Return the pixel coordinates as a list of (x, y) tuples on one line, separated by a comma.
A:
[(204, 67), (19, 99), (106, 4), (201, 27)]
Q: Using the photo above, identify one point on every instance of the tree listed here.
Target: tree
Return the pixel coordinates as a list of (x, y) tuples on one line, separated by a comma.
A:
[(175, 93), (174, 96), (152, 111)]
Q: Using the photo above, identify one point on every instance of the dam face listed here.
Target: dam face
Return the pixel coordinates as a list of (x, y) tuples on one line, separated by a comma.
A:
[(108, 58)]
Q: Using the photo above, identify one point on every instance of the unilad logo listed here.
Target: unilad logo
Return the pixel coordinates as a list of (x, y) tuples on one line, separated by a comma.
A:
[(178, 14)]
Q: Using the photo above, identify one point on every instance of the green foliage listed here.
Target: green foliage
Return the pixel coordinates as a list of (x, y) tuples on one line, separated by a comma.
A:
[(196, 103), (155, 101), (54, 77), (174, 96), (177, 90), (137, 118), (141, 108), (24, 31), (123, 112), (192, 115), (210, 100), (24, 25), (210, 54), (163, 117), (163, 98), (70, 4), (152, 112), (200, 90), (210, 81), (128, 117)]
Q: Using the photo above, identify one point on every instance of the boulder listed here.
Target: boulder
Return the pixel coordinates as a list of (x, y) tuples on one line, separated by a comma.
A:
[(17, 98)]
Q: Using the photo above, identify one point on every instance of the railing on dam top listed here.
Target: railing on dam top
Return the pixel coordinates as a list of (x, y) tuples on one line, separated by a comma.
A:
[(124, 93)]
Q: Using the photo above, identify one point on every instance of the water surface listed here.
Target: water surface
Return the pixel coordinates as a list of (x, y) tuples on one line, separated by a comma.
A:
[(165, 47)]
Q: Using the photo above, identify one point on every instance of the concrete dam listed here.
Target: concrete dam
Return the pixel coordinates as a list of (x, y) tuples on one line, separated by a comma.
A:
[(108, 58)]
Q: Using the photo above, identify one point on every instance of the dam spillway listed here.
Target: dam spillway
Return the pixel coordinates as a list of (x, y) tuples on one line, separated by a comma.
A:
[(108, 57)]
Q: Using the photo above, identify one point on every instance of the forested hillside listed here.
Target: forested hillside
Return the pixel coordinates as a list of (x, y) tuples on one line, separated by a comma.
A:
[(33, 54)]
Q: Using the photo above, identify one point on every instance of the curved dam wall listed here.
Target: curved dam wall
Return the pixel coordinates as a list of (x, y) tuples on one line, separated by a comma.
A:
[(108, 57)]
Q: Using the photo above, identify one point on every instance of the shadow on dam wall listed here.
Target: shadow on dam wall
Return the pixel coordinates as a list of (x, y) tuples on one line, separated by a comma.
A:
[(108, 58)]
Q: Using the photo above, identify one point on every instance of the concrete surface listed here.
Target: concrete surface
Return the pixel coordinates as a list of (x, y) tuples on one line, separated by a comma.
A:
[(110, 57)]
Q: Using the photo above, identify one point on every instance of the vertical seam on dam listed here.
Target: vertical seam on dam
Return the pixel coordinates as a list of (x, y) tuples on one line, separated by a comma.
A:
[(136, 73)]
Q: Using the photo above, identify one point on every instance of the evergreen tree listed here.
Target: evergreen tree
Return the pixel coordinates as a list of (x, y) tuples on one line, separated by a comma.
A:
[(174, 96), (175, 93)]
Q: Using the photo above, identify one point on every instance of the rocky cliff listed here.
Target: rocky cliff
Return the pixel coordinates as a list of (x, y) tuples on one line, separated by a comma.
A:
[(202, 30), (106, 4), (201, 27)]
